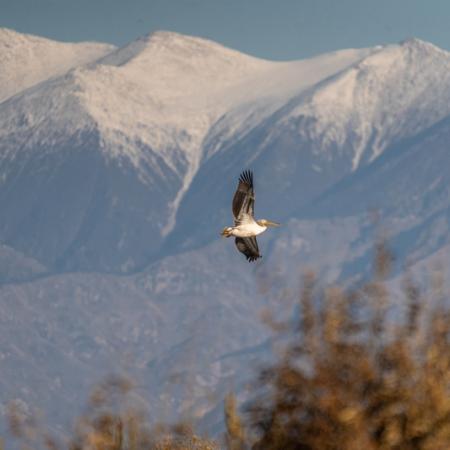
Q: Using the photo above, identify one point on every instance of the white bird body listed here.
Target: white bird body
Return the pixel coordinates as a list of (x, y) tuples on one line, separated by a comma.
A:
[(247, 229)]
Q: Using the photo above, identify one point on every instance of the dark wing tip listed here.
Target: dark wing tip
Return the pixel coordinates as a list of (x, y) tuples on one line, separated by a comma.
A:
[(253, 258), (247, 177)]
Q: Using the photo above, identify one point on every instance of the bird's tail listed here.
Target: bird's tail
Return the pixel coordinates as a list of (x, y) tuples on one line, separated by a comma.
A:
[(226, 232)]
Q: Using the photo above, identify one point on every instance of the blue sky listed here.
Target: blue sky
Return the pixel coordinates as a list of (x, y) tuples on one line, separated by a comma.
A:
[(284, 29)]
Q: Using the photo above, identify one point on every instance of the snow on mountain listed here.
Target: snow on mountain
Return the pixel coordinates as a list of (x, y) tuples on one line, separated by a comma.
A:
[(167, 90), (142, 112), (323, 134), (162, 92), (263, 95), (395, 92), (408, 186), (28, 60)]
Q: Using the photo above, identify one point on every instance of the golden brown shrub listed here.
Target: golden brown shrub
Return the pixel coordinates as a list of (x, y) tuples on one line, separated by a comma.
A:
[(114, 420), (354, 375)]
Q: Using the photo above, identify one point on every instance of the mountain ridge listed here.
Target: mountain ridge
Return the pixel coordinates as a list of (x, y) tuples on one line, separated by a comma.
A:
[(143, 121), (28, 60)]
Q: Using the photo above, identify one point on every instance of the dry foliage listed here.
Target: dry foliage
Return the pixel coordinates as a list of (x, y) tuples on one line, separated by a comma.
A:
[(353, 377), (114, 420), (235, 438)]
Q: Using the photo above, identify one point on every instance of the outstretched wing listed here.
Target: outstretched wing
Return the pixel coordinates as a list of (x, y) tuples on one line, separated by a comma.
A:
[(244, 198), (249, 247)]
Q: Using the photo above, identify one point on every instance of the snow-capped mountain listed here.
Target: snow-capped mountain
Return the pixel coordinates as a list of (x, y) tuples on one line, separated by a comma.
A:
[(28, 60), (126, 135), (343, 123), (117, 169)]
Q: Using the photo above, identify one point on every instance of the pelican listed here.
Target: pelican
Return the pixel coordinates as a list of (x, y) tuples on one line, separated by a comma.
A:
[(246, 228)]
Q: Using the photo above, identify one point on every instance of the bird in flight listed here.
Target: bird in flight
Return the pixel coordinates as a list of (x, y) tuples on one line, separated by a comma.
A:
[(246, 228)]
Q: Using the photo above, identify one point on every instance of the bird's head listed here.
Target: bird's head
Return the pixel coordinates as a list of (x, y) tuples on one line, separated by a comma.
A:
[(267, 223)]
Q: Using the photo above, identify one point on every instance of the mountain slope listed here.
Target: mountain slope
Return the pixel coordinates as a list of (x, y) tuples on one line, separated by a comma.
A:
[(408, 187), (321, 135), (73, 329), (103, 155), (28, 60)]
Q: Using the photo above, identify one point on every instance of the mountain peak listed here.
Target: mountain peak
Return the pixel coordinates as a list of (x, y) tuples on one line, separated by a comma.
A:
[(28, 60), (166, 36), (171, 39), (8, 35), (171, 46), (10, 38), (411, 51), (7, 32), (418, 45)]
